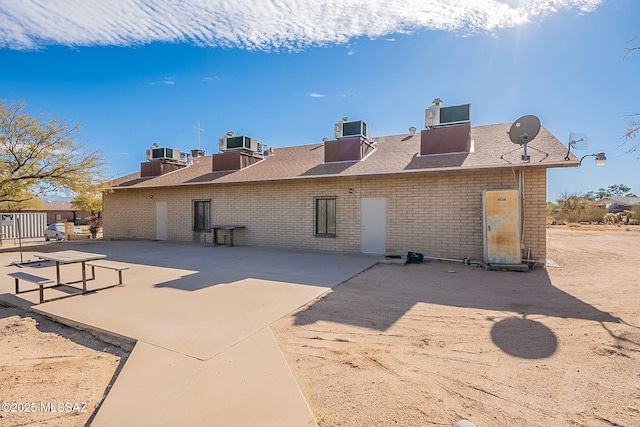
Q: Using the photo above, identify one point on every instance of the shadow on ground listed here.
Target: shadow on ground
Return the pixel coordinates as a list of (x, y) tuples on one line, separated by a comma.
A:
[(191, 267), (524, 338), (388, 292)]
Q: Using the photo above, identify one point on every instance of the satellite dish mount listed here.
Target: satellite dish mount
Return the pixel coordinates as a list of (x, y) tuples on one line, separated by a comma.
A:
[(523, 131)]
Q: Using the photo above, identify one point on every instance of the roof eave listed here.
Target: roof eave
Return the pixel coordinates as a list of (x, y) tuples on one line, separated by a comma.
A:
[(546, 165)]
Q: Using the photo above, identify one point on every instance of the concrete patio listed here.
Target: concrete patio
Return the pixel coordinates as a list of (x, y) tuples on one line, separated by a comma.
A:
[(200, 315)]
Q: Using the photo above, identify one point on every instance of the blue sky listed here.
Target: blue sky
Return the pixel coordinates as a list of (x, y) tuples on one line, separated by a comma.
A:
[(283, 71)]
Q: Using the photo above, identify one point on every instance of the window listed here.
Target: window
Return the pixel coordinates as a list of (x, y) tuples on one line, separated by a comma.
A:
[(325, 216), (201, 215)]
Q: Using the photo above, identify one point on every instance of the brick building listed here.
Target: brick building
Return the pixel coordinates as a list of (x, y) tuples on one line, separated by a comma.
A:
[(418, 192), (60, 211)]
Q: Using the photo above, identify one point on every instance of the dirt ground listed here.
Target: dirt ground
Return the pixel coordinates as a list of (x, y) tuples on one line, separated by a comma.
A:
[(432, 344), (50, 374), (414, 345)]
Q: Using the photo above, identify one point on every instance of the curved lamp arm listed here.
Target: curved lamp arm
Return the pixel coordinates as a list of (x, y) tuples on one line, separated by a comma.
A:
[(601, 159)]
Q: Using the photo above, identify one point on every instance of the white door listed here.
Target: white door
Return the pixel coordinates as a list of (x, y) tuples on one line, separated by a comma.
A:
[(373, 223), (161, 220)]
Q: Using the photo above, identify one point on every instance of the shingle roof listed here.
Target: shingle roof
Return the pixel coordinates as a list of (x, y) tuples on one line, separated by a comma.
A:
[(625, 201), (56, 206), (491, 148)]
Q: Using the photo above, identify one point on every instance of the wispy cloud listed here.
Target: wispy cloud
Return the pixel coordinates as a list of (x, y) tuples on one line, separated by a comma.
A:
[(165, 81), (249, 24), (316, 95)]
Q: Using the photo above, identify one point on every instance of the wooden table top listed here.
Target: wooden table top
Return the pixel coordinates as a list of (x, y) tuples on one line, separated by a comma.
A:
[(68, 257)]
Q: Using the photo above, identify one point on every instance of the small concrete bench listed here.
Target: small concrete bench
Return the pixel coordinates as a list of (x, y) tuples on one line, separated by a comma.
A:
[(110, 265), (40, 281)]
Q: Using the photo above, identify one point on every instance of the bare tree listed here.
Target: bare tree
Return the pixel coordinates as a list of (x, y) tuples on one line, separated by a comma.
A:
[(633, 119)]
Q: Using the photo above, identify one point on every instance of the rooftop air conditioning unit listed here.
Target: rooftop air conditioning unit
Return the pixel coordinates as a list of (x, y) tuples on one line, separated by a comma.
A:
[(437, 115), (348, 129), (186, 158), (230, 142), (163, 154)]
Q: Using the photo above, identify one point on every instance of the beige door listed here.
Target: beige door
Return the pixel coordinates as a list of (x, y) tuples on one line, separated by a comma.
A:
[(161, 220), (373, 226)]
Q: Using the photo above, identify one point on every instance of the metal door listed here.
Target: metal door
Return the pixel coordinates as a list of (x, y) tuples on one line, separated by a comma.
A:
[(373, 224), (161, 220), (501, 217)]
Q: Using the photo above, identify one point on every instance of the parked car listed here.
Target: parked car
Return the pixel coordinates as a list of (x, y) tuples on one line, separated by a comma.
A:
[(56, 231), (613, 208)]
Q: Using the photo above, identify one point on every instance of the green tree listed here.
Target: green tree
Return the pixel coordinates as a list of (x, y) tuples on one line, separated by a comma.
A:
[(616, 190), (89, 200), (39, 155)]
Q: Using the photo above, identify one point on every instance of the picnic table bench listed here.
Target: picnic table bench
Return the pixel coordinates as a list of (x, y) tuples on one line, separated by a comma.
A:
[(40, 281), (110, 265)]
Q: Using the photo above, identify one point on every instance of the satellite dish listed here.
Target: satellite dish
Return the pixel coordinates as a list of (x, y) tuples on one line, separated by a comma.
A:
[(524, 130), (577, 141)]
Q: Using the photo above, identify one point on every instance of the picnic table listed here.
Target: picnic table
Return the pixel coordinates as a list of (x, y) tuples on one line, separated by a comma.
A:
[(229, 227), (70, 257)]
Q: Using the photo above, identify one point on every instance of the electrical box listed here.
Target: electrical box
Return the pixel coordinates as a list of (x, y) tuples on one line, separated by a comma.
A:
[(502, 226)]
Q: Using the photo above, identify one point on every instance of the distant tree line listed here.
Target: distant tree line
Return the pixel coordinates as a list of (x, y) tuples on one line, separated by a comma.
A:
[(576, 207)]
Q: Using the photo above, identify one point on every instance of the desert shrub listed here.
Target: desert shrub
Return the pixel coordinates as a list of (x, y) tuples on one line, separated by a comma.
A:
[(609, 218), (571, 216), (592, 214), (622, 218)]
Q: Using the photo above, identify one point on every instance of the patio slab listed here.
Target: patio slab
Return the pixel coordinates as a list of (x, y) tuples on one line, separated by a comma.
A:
[(195, 308), (248, 385)]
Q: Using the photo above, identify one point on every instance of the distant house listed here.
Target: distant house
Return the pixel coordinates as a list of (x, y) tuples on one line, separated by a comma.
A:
[(421, 191), (619, 203), (59, 211)]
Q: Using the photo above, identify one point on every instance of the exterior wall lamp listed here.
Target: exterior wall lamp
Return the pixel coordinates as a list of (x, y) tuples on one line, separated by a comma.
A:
[(601, 159)]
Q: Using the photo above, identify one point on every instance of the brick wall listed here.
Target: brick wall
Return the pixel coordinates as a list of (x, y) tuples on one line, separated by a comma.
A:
[(438, 214)]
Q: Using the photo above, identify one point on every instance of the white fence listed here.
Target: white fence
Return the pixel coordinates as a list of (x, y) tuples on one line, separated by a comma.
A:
[(23, 225)]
